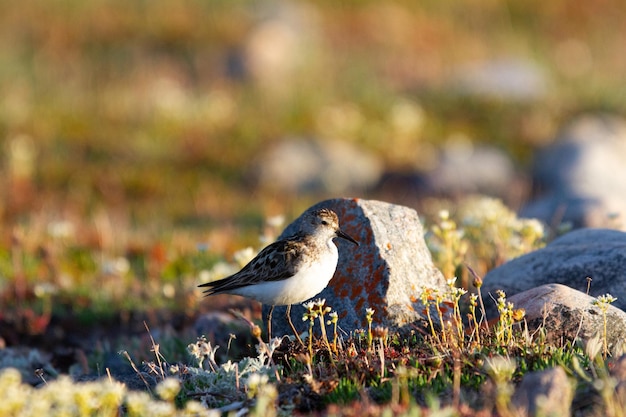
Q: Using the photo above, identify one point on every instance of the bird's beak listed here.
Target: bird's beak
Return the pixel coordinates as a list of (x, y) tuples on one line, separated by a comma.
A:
[(344, 235)]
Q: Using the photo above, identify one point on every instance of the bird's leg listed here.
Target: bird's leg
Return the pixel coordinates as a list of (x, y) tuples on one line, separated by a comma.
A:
[(269, 324), (293, 328)]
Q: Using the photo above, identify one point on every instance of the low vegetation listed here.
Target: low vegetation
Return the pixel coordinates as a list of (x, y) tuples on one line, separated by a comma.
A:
[(452, 363), (129, 132), (456, 369)]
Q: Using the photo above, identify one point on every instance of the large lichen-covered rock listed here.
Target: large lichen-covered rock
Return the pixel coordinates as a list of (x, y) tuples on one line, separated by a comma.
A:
[(387, 272), (599, 254)]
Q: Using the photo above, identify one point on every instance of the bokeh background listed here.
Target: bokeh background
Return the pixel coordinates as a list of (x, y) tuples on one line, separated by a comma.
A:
[(217, 114), (134, 133)]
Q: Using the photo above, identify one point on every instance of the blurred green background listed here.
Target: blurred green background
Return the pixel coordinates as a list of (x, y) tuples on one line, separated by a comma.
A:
[(138, 128), (156, 110)]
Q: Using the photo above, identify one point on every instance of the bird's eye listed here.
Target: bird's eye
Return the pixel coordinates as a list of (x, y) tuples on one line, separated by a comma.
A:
[(324, 222)]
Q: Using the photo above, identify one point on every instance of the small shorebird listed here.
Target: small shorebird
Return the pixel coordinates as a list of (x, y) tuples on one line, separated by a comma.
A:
[(290, 270)]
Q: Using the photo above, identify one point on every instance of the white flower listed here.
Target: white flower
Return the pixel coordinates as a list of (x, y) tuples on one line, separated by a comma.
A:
[(275, 221), (593, 347), (256, 380), (168, 389), (320, 302), (243, 256)]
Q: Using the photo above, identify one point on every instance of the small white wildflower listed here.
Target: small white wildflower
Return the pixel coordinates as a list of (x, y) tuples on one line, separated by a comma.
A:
[(334, 317), (275, 221), (194, 350), (208, 350), (204, 275), (243, 256), (255, 380), (169, 290), (45, 288), (407, 117), (593, 347), (473, 299), (605, 299), (118, 266), (274, 344), (219, 270), (138, 403), (458, 292), (168, 389), (195, 408), (500, 368), (230, 366), (62, 229), (534, 226)]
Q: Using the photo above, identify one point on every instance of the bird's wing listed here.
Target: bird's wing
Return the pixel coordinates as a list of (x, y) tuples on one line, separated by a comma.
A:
[(276, 262)]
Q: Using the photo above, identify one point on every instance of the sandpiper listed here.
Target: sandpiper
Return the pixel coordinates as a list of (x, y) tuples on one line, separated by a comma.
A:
[(291, 270)]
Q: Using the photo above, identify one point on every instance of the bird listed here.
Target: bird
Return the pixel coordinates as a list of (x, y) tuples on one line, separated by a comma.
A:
[(290, 270)]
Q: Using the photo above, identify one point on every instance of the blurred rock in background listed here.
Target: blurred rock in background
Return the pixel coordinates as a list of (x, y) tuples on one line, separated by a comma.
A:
[(299, 166), (507, 79), (464, 168), (282, 45), (580, 178)]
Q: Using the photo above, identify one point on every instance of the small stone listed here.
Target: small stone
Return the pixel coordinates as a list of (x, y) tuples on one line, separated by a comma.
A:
[(386, 272), (568, 315), (543, 393)]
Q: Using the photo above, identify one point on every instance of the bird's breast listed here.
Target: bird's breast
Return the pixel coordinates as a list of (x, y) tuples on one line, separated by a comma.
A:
[(312, 276)]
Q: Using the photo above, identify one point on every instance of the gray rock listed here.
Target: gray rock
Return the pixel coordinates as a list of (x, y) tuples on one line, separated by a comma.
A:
[(567, 315), (573, 211), (465, 168), (543, 393), (386, 272), (579, 179), (596, 253), (506, 79), (308, 166)]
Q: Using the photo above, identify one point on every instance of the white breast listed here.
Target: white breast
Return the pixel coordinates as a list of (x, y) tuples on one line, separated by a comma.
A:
[(308, 282)]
